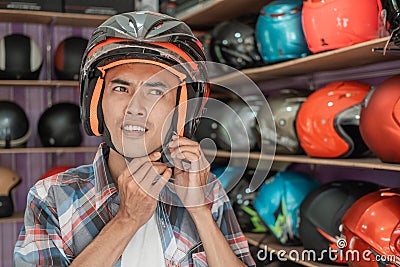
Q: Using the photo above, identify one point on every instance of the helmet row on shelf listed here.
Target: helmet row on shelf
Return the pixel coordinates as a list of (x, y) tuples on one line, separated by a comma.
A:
[(22, 59), (342, 119), (335, 220), (58, 126), (288, 29)]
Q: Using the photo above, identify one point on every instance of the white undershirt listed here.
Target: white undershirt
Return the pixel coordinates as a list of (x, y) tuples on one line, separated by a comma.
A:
[(145, 248)]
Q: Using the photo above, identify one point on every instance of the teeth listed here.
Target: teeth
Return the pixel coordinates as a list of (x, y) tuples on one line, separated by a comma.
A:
[(134, 128)]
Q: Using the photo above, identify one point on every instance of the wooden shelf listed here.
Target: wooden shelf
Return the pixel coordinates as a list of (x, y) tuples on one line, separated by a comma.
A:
[(273, 246), (48, 150), (343, 58), (370, 163), (211, 12), (56, 18), (18, 216), (49, 83)]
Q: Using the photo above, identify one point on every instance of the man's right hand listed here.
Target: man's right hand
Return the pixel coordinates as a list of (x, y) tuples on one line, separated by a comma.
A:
[(137, 190)]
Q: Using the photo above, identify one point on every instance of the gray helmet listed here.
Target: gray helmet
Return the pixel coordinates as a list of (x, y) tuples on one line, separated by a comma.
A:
[(284, 106), (239, 125), (233, 43), (140, 35)]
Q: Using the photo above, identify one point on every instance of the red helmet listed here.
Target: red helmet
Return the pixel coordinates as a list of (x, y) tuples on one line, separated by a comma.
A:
[(332, 24), (380, 120), (327, 122), (54, 171), (372, 227)]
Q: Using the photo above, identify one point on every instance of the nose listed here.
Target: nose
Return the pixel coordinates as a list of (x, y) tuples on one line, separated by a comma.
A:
[(136, 107)]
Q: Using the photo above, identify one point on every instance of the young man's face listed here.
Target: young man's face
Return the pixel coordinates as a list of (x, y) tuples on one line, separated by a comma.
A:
[(138, 110)]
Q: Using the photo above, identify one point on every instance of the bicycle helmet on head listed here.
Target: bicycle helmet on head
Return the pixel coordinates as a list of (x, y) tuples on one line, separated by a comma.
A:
[(143, 37)]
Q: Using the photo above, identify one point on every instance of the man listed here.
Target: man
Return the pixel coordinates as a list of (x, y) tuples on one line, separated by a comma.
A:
[(148, 198)]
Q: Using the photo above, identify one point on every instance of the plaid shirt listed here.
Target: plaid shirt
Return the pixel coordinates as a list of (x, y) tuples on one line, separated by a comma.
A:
[(67, 211)]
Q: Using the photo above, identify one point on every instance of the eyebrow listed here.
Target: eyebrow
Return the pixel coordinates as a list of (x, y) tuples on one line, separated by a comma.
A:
[(156, 84), (120, 81)]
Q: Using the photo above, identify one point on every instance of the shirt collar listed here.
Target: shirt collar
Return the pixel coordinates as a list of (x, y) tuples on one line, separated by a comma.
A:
[(104, 183)]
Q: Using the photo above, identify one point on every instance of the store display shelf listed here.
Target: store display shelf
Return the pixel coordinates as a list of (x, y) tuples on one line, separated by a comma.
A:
[(48, 150), (211, 12), (343, 58), (56, 18), (32, 83), (370, 163), (17, 216), (292, 253)]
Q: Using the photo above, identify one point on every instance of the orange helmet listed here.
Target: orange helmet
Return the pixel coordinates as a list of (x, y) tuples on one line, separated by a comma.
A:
[(327, 122), (332, 24), (380, 120), (372, 227)]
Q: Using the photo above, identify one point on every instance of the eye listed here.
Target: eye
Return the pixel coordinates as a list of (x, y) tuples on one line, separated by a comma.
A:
[(156, 92), (120, 89)]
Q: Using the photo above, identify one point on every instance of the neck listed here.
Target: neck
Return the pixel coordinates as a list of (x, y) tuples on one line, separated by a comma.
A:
[(116, 165)]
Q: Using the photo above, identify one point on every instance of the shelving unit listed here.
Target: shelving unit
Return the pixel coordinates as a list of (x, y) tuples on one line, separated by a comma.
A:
[(18, 216), (289, 252), (30, 150), (343, 58), (369, 163), (43, 83), (210, 12), (51, 18)]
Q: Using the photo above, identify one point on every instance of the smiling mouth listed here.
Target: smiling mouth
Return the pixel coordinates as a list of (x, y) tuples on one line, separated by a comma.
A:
[(135, 130)]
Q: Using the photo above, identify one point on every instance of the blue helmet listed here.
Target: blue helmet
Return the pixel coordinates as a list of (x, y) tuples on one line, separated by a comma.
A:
[(279, 31), (278, 203)]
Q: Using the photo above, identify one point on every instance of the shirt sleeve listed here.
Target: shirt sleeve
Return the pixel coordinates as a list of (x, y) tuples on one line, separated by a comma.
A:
[(39, 242), (225, 218)]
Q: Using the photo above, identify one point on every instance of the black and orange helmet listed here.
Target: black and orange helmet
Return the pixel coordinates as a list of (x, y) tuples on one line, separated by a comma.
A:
[(143, 37)]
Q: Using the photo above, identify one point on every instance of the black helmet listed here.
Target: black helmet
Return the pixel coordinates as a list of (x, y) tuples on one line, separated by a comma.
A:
[(9, 179), (14, 125), (68, 58), (321, 213), (60, 126), (151, 37), (20, 58), (242, 199), (233, 43), (392, 8)]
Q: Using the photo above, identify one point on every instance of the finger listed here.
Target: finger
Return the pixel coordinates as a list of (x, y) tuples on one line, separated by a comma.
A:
[(137, 163), (141, 173), (163, 181), (181, 141)]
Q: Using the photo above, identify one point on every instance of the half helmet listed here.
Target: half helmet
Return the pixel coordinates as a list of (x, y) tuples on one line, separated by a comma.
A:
[(14, 125), (380, 120), (9, 180), (327, 122), (144, 37), (321, 213), (279, 32), (278, 203), (372, 224), (242, 200), (332, 24), (60, 126), (284, 106), (68, 58), (233, 43), (238, 130), (20, 58)]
